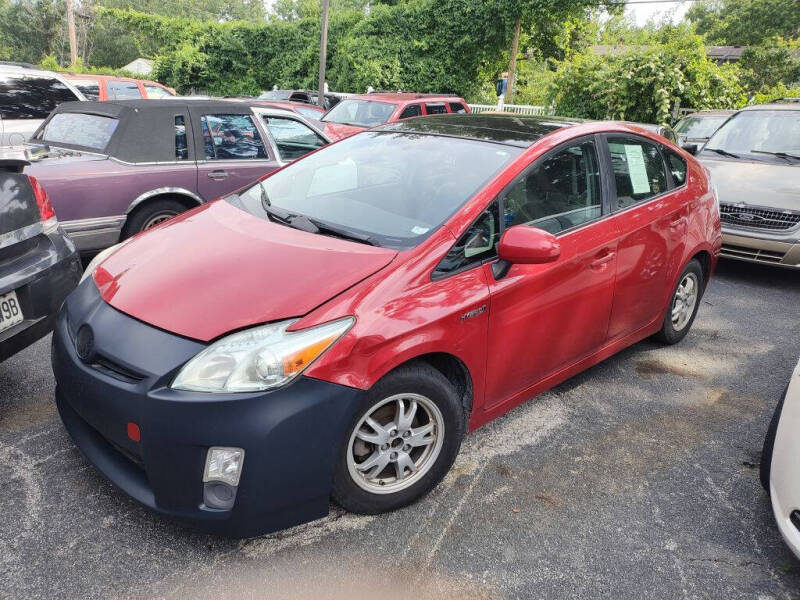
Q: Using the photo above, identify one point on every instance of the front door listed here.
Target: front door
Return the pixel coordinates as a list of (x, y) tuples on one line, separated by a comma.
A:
[(651, 215), (231, 152), (543, 318)]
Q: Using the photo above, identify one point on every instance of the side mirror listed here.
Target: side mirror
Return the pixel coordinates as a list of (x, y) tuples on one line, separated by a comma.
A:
[(525, 245), (691, 148)]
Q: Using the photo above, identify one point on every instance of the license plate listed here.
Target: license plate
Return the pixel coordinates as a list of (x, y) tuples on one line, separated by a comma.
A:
[(10, 311)]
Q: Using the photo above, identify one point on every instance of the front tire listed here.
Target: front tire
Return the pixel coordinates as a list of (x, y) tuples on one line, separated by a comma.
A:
[(683, 305), (769, 444), (401, 442)]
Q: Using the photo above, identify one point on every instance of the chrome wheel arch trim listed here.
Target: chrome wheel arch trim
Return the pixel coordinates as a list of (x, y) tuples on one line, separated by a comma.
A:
[(177, 191)]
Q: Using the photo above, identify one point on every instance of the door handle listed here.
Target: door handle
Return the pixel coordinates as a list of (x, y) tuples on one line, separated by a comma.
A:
[(216, 175), (603, 259)]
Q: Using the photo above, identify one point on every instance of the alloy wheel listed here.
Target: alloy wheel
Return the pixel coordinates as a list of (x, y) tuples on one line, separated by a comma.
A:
[(157, 219), (684, 302)]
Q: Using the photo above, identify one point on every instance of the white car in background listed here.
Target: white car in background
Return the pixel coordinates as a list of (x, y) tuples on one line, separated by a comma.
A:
[(780, 474), (27, 96)]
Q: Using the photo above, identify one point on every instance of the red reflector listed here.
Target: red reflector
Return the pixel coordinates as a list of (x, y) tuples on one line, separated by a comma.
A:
[(46, 210), (133, 432)]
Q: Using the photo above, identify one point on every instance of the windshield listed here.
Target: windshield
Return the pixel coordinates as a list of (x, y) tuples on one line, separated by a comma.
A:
[(275, 95), (363, 113), (759, 131), (696, 128), (78, 129), (392, 189)]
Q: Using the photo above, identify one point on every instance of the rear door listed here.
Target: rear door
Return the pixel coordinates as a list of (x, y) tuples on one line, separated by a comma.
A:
[(651, 214), (231, 150)]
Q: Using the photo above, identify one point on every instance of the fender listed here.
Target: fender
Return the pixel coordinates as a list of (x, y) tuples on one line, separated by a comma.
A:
[(162, 192)]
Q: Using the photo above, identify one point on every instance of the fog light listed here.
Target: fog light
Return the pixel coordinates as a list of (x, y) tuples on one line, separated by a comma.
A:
[(224, 464)]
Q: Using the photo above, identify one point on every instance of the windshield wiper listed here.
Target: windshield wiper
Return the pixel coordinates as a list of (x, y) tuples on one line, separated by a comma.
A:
[(722, 152), (779, 154), (337, 231)]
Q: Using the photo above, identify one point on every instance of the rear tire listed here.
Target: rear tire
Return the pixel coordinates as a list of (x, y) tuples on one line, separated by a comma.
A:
[(401, 442), (151, 214), (683, 304), (769, 444)]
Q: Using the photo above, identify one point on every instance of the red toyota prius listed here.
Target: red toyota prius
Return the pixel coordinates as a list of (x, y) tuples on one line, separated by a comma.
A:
[(335, 329)]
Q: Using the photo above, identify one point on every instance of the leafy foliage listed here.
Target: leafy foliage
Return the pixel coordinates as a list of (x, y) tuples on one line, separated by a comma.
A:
[(745, 22)]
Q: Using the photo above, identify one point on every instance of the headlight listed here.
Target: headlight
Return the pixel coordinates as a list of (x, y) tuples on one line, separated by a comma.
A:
[(101, 256), (260, 358)]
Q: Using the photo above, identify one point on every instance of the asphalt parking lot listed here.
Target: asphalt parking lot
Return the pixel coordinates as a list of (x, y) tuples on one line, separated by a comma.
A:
[(635, 479)]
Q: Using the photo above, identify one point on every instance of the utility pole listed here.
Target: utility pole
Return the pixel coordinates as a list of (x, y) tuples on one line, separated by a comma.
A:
[(73, 44), (323, 54), (512, 63)]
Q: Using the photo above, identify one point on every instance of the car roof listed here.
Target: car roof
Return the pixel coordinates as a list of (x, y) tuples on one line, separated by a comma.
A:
[(114, 108), (513, 130), (777, 106), (396, 97), (108, 77), (709, 113)]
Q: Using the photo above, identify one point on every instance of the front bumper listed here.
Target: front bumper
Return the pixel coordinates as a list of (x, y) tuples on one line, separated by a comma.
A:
[(784, 472), (761, 247), (291, 436), (42, 271)]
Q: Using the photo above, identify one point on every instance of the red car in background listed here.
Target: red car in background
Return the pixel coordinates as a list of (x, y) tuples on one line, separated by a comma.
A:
[(359, 112), (336, 328), (111, 87)]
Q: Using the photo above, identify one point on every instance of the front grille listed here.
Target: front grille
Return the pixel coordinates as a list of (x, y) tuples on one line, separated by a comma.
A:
[(767, 256), (758, 218)]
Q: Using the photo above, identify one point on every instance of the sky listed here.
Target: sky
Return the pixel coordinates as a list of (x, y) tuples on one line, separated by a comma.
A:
[(643, 12)]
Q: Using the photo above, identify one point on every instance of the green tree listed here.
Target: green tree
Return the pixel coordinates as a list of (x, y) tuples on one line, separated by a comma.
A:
[(745, 22), (771, 63)]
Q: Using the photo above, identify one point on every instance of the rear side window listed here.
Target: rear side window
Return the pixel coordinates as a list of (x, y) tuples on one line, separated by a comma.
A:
[(78, 129), (156, 91), (412, 110), (23, 97), (477, 244), (457, 107), (231, 137), (436, 109), (638, 170), (123, 90), (558, 193), (90, 89), (678, 168)]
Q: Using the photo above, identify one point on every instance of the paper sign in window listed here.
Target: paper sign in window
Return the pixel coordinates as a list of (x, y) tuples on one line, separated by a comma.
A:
[(637, 170)]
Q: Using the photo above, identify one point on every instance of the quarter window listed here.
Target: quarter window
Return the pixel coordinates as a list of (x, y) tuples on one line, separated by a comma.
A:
[(560, 192), (89, 88), (412, 110), (231, 137), (181, 149), (292, 138), (436, 109), (457, 107), (477, 244), (678, 168), (156, 91), (638, 170)]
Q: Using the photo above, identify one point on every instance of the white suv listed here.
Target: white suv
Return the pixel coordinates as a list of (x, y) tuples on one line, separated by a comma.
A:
[(27, 96)]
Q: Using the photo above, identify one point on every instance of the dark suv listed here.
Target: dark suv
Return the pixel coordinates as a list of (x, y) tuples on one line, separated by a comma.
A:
[(39, 265)]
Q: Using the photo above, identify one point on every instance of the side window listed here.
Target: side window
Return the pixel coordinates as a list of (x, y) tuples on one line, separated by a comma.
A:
[(457, 107), (156, 91), (638, 170), (476, 245), (678, 168), (436, 109), (412, 110), (181, 149), (23, 97), (90, 89), (231, 137), (122, 90), (292, 138), (560, 192)]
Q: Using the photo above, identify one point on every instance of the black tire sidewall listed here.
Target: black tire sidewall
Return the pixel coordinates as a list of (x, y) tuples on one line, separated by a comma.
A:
[(417, 378), (144, 213), (765, 465), (668, 334)]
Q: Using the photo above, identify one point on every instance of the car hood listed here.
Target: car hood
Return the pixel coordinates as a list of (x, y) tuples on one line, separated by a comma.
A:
[(338, 131), (217, 269), (756, 183)]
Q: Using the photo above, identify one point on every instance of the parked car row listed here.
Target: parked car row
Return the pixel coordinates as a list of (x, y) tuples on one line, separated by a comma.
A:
[(374, 295)]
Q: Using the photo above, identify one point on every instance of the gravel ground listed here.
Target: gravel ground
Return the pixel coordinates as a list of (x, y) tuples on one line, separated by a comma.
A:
[(636, 479)]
